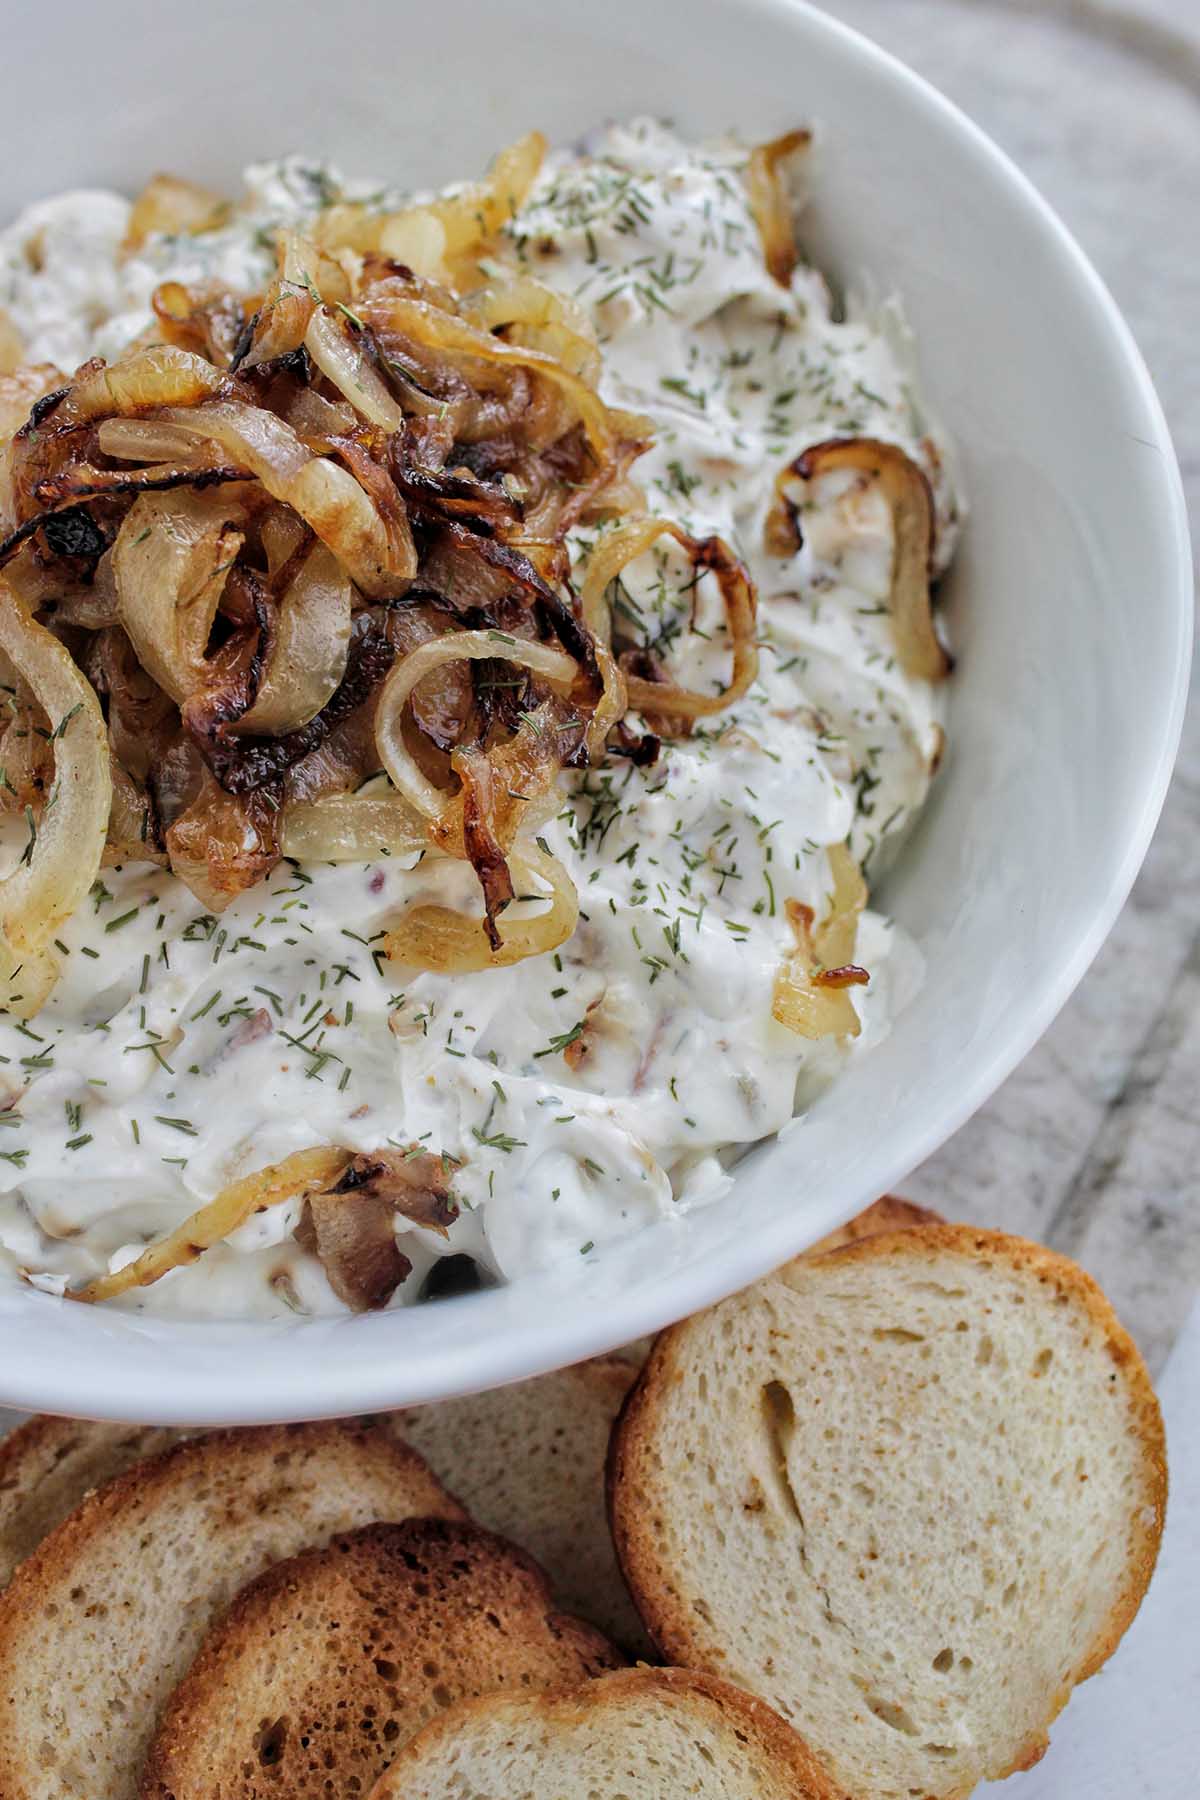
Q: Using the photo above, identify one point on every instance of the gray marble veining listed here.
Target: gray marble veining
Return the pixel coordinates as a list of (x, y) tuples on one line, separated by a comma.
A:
[(1093, 1144)]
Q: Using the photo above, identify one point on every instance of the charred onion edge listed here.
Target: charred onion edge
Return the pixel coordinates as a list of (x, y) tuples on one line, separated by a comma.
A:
[(244, 764)]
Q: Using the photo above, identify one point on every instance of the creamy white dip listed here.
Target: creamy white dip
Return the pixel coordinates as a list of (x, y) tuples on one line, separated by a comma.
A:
[(180, 1051)]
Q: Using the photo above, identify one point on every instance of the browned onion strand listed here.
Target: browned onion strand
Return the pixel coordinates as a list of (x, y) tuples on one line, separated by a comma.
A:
[(288, 544), (774, 214), (666, 699), (63, 855), (905, 488)]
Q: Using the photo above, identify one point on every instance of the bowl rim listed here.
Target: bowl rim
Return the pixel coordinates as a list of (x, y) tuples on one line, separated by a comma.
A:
[(292, 1387)]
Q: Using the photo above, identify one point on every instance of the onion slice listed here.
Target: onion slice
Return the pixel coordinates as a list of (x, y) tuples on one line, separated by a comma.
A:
[(440, 330), (811, 995), (534, 315), (770, 202), (303, 1173), (906, 489), (160, 375), (351, 828), (171, 560), (340, 358), (445, 942), (554, 666), (445, 231), (310, 650), (67, 842), (144, 441), (169, 204), (379, 558), (615, 551)]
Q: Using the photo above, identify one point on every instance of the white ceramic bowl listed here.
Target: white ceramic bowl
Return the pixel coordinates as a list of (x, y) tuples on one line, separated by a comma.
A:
[(1070, 605)]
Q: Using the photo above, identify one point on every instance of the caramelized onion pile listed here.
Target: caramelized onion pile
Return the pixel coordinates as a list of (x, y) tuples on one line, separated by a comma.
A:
[(287, 542), (304, 538)]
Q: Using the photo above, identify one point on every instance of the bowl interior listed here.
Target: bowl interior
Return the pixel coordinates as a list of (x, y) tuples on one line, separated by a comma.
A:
[(1069, 603)]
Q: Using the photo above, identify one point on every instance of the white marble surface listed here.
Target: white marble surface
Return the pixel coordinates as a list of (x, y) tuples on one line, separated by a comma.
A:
[(1093, 1145)]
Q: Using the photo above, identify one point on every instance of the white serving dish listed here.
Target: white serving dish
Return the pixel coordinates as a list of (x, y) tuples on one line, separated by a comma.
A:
[(1070, 604)]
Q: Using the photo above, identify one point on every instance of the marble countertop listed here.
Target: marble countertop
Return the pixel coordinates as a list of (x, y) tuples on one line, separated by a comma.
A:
[(1093, 1145)]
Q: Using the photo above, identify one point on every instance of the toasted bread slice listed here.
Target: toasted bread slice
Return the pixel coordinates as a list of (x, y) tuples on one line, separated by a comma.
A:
[(888, 1213), (99, 1624), (528, 1461), (642, 1734), (47, 1466), (910, 1492), (328, 1663)]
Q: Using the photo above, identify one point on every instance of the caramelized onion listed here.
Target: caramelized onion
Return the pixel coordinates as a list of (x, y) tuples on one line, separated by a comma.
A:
[(552, 665), (340, 358), (145, 440), (243, 704), (532, 314), (169, 204), (131, 833), (811, 986), (906, 490), (171, 560), (771, 204), (310, 649), (222, 844), (438, 236), (303, 1173), (159, 375), (615, 551), (446, 942), (210, 320), (378, 559), (430, 325), (67, 842), (19, 388)]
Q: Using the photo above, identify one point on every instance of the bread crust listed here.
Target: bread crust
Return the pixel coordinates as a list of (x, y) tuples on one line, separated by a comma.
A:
[(672, 1626), (394, 1595), (889, 1213), (746, 1715), (48, 1464), (528, 1461), (250, 1468)]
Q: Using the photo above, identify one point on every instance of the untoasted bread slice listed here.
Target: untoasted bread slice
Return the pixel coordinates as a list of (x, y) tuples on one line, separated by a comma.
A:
[(643, 1734), (47, 1466), (328, 1663), (98, 1625), (910, 1491), (528, 1461)]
